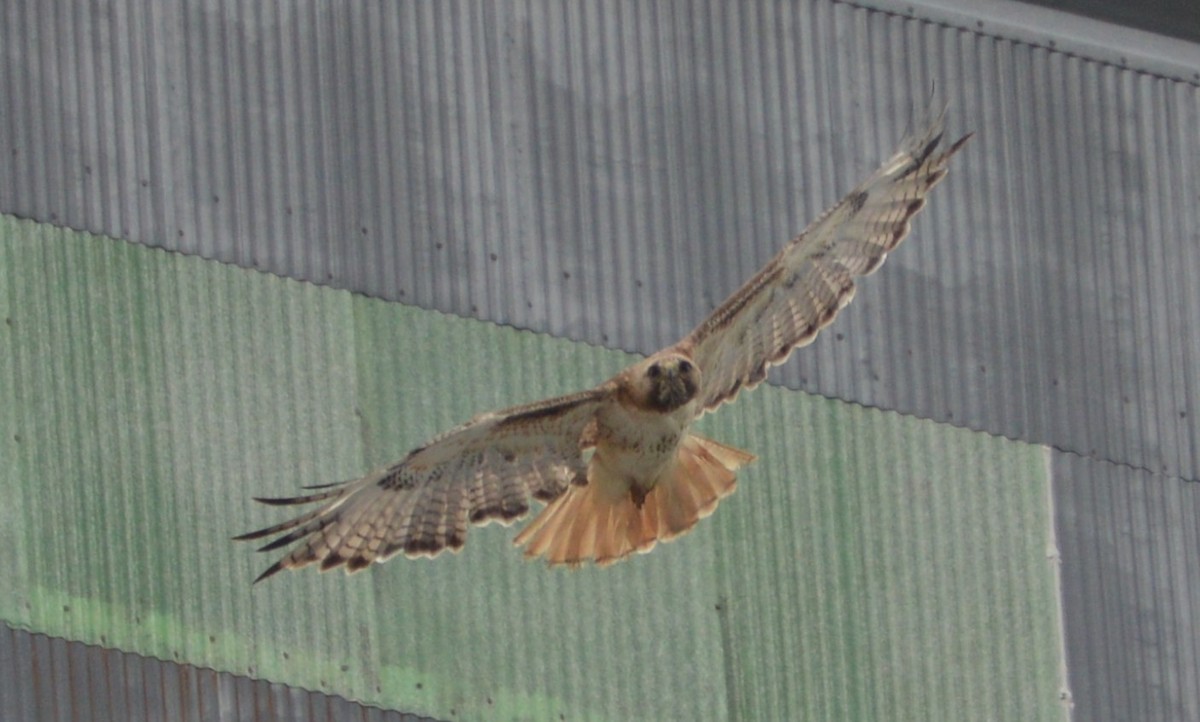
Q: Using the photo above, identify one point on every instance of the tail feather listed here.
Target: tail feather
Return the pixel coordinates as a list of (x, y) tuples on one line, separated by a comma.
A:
[(590, 523)]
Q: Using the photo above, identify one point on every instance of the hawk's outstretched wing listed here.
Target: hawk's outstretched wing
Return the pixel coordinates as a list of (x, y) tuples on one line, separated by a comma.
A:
[(486, 469), (800, 290)]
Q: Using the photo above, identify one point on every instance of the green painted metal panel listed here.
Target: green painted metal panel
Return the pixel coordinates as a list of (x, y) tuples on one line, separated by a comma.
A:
[(872, 566)]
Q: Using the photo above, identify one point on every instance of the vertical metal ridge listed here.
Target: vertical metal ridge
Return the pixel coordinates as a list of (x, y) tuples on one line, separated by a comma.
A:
[(1130, 531)]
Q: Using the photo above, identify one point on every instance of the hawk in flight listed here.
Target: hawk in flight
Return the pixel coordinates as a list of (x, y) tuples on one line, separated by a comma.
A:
[(617, 465)]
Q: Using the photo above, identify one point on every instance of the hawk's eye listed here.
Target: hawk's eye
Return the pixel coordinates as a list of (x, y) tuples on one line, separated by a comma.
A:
[(654, 371), (685, 367)]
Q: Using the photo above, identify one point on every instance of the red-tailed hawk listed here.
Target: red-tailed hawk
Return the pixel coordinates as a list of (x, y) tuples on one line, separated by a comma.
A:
[(617, 466)]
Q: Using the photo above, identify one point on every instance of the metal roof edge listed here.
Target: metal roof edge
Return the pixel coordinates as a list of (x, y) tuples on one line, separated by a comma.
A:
[(1058, 30)]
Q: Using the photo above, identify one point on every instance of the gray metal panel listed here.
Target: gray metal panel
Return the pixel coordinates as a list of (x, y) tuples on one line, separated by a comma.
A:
[(567, 167), (47, 678), (1131, 583), (18, 697)]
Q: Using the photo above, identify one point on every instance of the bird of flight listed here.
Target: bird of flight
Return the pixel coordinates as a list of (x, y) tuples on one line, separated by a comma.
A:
[(617, 466)]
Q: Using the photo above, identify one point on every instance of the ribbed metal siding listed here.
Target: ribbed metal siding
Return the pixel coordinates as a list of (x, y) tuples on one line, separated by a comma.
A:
[(1131, 583), (45, 678), (566, 167)]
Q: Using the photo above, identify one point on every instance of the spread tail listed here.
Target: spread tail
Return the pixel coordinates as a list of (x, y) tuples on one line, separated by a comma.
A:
[(600, 521)]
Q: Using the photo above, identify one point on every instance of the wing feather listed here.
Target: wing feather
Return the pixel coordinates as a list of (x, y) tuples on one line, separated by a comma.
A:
[(482, 471), (802, 288)]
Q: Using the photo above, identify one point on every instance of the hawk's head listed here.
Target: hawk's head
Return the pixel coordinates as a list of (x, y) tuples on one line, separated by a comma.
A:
[(664, 382)]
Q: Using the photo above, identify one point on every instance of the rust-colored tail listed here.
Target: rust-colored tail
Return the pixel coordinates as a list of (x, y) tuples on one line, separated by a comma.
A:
[(600, 522)]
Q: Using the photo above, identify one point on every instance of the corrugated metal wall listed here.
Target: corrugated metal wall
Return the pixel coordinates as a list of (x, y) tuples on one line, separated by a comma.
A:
[(1130, 541), (563, 167), (559, 166), (148, 395), (46, 678)]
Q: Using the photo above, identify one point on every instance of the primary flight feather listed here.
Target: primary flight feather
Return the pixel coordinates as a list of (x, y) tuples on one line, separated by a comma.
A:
[(617, 466)]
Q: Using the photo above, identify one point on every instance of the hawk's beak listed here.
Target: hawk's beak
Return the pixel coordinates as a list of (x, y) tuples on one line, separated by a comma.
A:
[(673, 388)]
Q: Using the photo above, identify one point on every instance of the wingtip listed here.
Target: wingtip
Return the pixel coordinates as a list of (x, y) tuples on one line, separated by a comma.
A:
[(290, 500), (257, 534), (278, 543), (930, 123), (273, 500), (262, 533), (270, 572)]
